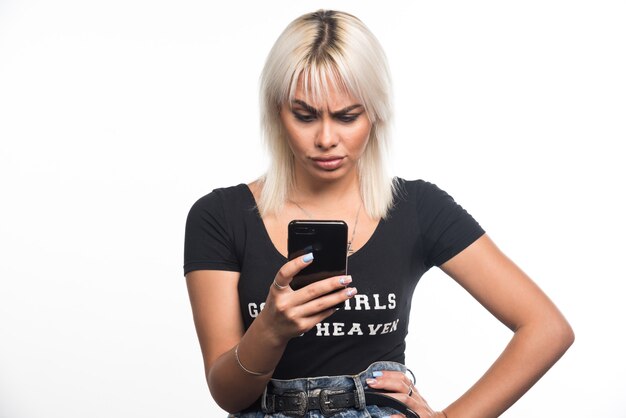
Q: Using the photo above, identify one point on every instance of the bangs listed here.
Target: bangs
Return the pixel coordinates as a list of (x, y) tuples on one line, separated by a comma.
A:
[(317, 79)]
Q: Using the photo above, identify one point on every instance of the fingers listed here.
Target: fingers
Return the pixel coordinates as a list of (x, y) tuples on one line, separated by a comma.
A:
[(320, 288), (401, 388), (314, 290), (294, 312), (327, 300), (392, 381), (290, 269), (290, 319)]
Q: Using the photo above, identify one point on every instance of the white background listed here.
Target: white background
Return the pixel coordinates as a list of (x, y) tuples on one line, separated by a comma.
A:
[(116, 116)]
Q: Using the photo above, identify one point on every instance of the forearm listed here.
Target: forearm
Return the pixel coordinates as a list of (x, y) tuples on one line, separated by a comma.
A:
[(237, 381), (231, 386), (530, 353)]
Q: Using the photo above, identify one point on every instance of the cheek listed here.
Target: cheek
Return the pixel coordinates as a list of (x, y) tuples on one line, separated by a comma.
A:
[(292, 135), (361, 136), (296, 139), (298, 142)]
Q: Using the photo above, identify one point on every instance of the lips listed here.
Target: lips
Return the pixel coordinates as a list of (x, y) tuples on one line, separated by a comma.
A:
[(331, 162)]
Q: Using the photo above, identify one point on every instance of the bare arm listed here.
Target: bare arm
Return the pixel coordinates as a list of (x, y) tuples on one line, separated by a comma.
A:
[(215, 305), (287, 313), (541, 333)]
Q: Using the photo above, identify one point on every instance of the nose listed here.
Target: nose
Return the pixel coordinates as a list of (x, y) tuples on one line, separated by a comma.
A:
[(327, 137)]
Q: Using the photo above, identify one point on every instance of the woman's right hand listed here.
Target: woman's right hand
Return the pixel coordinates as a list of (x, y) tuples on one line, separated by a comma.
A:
[(289, 313)]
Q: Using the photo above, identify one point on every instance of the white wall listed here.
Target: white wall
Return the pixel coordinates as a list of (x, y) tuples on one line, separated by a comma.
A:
[(116, 116)]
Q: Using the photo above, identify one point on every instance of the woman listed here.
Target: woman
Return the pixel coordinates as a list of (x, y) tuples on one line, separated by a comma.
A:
[(326, 111)]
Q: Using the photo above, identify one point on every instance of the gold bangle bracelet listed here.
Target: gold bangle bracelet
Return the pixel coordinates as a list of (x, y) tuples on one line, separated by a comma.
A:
[(244, 368)]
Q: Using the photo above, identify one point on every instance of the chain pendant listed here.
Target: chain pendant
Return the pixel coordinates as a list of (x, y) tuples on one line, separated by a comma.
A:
[(349, 250)]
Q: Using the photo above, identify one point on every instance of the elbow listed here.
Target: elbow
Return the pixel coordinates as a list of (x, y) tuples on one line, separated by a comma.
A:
[(215, 392), (567, 336), (552, 332), (562, 335), (218, 399), (223, 400), (227, 406), (230, 409)]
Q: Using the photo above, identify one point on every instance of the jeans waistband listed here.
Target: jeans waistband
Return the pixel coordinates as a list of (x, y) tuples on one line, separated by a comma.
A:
[(318, 382), (320, 385)]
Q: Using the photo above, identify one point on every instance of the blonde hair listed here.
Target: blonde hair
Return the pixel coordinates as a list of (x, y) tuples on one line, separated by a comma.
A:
[(317, 49)]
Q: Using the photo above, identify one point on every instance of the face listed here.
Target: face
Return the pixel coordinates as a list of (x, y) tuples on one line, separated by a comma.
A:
[(327, 139)]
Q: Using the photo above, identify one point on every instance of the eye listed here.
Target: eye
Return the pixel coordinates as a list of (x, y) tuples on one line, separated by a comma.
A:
[(304, 117), (348, 118)]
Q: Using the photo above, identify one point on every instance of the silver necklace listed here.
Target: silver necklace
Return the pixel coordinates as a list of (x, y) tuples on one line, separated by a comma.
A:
[(356, 222)]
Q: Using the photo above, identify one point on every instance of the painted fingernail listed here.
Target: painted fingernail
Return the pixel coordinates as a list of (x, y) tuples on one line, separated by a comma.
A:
[(377, 374), (371, 381), (308, 258), (345, 280), (351, 291)]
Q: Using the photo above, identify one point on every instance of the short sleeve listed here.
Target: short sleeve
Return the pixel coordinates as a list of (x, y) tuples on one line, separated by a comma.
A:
[(447, 228), (208, 239)]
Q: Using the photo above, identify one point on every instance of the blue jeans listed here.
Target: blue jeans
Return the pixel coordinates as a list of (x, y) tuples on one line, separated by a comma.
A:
[(310, 384)]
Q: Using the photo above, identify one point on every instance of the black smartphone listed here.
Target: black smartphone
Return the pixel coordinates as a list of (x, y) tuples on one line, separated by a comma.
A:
[(327, 240)]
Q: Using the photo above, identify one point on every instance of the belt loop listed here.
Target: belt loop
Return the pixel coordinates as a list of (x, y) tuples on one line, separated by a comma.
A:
[(360, 393), (268, 409)]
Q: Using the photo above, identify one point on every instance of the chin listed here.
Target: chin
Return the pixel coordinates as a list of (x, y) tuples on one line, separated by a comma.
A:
[(330, 176)]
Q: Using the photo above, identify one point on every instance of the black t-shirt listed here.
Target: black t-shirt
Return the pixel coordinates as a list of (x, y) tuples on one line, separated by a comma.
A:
[(424, 228)]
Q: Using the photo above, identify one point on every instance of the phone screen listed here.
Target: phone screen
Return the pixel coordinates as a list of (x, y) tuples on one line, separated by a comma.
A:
[(327, 240)]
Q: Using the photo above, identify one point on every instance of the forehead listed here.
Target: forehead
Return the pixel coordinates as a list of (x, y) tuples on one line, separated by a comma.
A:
[(327, 92)]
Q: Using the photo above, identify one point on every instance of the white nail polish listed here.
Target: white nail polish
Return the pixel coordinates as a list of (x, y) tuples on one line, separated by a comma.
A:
[(345, 280)]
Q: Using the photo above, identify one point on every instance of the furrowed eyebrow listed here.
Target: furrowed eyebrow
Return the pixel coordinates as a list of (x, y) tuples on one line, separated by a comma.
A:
[(306, 106), (313, 110), (345, 110)]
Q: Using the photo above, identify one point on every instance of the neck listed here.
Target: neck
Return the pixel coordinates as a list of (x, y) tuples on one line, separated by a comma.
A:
[(324, 194)]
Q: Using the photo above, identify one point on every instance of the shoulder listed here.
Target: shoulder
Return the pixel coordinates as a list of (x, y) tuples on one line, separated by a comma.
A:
[(224, 198), (418, 184), (225, 193), (428, 201), (446, 228), (225, 205), (214, 228), (420, 191)]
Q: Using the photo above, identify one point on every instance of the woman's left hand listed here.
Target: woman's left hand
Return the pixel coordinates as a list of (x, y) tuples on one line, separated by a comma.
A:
[(401, 388)]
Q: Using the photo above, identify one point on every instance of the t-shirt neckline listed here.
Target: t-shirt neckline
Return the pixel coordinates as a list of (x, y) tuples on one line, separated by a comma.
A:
[(266, 234)]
